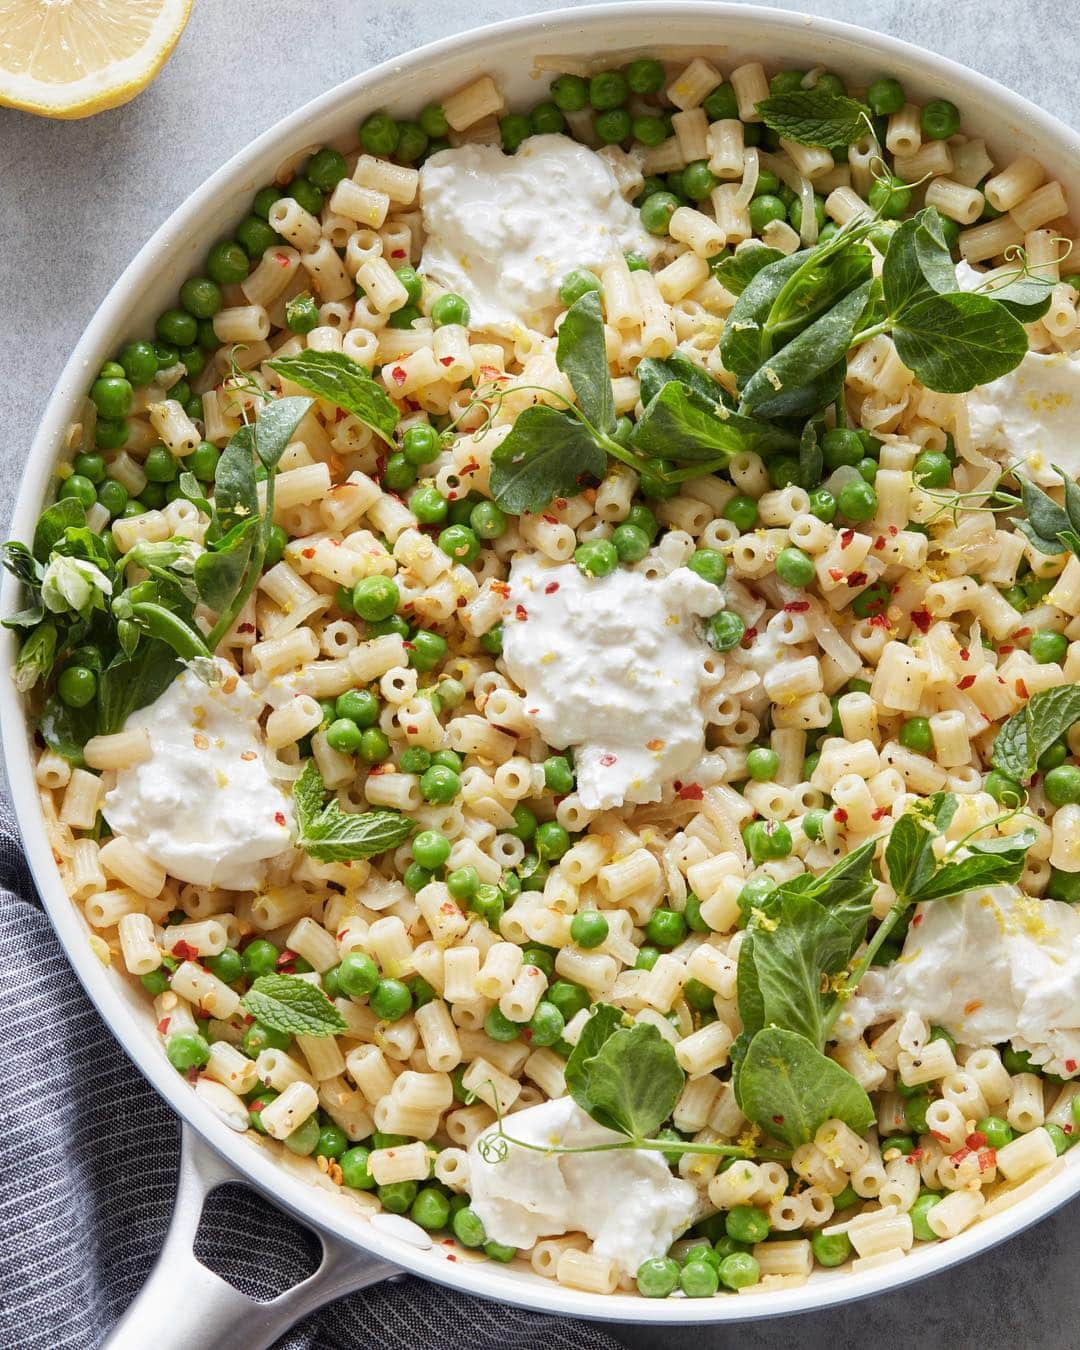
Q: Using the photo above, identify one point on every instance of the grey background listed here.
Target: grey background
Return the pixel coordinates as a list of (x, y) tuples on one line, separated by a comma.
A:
[(78, 198)]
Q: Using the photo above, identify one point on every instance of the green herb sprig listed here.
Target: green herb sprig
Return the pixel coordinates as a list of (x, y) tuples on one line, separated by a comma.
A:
[(328, 834)]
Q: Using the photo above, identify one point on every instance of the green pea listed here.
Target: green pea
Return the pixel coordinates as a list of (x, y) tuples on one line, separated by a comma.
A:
[(742, 511), (1048, 647), (744, 1223), (431, 849), (998, 1132), (795, 567), (449, 759), (552, 841), (932, 470), (857, 500), (608, 89), (359, 706), (546, 1025), (112, 397), (795, 212), (77, 686), (546, 119), (647, 957), (449, 309), (1062, 785), (885, 97), (725, 630), (1051, 758), (577, 283), (830, 1250), (524, 827), (468, 1227), (440, 785), (657, 1277), (201, 297), (460, 543), (176, 326), (390, 1000), (187, 1050), (648, 130), (939, 119), (709, 564), (1064, 886), (264, 200), (514, 128), (113, 497), (613, 126), (699, 1279), (721, 104), (698, 995), (588, 928), (915, 735), (787, 81), (784, 471), (374, 746), (344, 736), (655, 482), (1005, 790), (915, 1112), (657, 210), (919, 1211), (645, 76), (227, 965), (499, 1027), (375, 597), (764, 210), (631, 543), (568, 997), (558, 775), (666, 928), (428, 504), (596, 558), (140, 362), (762, 764), (767, 839), (489, 903), (262, 1099), (698, 180)]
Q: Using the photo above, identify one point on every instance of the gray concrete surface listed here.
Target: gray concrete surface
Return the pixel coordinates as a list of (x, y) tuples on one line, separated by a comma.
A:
[(78, 198)]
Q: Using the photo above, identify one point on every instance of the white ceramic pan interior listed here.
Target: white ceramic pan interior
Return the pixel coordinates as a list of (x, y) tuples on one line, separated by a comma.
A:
[(205, 1310)]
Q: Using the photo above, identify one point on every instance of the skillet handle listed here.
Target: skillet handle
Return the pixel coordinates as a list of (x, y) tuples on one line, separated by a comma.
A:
[(184, 1306)]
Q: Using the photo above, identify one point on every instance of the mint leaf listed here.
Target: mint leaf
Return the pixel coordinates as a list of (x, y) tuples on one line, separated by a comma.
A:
[(816, 117), (1031, 730), (329, 834), (547, 454), (954, 342), (344, 382), (789, 1088), (582, 356), (292, 1005), (994, 862)]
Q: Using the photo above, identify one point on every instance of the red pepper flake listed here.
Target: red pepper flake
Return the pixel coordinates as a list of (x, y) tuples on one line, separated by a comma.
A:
[(837, 573), (846, 538), (921, 619), (879, 542), (987, 1159), (185, 951), (551, 520), (965, 655), (858, 579), (551, 588), (692, 792), (778, 1120), (397, 253), (941, 1138), (1022, 689), (966, 682), (747, 640), (879, 812), (520, 613), (307, 553), (797, 606), (279, 817), (285, 958), (840, 815), (163, 1025), (560, 503), (1005, 649), (1022, 632), (411, 730), (398, 375), (608, 760), (281, 259), (976, 1140), (916, 921), (878, 621), (961, 1153), (446, 360), (246, 628), (1070, 1066), (894, 530)]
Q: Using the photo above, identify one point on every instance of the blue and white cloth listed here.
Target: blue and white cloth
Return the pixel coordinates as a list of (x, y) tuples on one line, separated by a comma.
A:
[(88, 1167)]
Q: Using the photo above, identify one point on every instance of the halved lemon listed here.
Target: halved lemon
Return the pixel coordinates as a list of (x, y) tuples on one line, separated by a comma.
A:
[(72, 58)]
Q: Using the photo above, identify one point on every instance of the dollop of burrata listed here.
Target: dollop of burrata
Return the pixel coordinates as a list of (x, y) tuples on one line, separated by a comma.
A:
[(1032, 413), (204, 805), (615, 667), (989, 966), (626, 1201), (502, 231)]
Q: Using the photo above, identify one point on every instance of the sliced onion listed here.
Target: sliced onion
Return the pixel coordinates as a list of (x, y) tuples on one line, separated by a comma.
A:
[(808, 228), (751, 165)]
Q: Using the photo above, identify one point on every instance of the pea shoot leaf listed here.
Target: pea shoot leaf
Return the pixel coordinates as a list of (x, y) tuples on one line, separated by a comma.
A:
[(1026, 297), (36, 658), (653, 373), (582, 356), (816, 117), (1030, 731), (130, 682), (329, 834), (957, 341), (276, 426), (53, 524), (547, 454), (683, 425), (292, 1005), (340, 380), (626, 1078), (738, 269), (789, 1088)]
